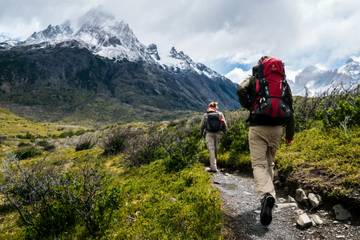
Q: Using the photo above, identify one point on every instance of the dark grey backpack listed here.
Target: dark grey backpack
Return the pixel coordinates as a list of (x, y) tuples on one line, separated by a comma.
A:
[(213, 123)]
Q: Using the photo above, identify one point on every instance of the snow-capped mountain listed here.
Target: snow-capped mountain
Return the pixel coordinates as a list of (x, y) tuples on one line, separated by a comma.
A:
[(98, 64), (7, 42), (351, 68), (103, 35), (316, 79), (178, 60)]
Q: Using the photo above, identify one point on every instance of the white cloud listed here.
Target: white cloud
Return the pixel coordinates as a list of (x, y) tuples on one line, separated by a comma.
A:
[(238, 75), (302, 32)]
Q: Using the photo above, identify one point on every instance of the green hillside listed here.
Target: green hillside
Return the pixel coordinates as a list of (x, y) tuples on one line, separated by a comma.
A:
[(156, 199), (146, 180)]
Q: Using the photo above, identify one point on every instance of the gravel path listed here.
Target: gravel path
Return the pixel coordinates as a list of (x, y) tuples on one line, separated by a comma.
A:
[(241, 208)]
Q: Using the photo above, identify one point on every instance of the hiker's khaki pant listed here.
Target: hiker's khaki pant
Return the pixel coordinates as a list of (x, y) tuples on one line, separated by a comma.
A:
[(212, 142), (263, 143)]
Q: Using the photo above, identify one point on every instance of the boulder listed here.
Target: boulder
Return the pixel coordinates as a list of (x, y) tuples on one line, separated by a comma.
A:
[(314, 200), (300, 196), (303, 221), (341, 213), (290, 199), (316, 219)]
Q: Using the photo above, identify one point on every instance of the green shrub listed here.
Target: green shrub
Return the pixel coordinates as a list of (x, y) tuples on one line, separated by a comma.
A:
[(47, 146), (116, 141), (144, 148), (163, 205), (27, 152), (182, 152), (26, 136), (345, 113), (85, 142), (51, 203), (2, 139), (71, 133), (235, 141)]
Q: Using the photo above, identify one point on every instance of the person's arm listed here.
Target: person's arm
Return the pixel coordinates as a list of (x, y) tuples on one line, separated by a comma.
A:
[(243, 93), (290, 126), (290, 130), (223, 123), (203, 127)]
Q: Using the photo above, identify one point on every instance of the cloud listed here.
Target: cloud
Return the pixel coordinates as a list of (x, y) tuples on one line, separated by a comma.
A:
[(301, 33), (238, 75)]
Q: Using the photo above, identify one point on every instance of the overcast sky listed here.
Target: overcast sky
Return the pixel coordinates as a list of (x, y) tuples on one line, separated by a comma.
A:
[(222, 33)]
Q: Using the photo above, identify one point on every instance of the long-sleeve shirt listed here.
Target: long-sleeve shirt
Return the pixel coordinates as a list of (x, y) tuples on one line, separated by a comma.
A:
[(204, 121)]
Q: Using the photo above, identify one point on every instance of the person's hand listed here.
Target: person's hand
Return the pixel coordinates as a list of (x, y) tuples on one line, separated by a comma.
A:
[(288, 141)]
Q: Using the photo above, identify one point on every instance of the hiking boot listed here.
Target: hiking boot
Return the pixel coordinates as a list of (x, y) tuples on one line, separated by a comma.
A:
[(267, 204), (212, 170)]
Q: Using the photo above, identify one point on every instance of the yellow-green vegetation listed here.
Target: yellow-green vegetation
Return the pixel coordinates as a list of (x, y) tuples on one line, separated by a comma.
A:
[(164, 195), (162, 205), (329, 159), (13, 125)]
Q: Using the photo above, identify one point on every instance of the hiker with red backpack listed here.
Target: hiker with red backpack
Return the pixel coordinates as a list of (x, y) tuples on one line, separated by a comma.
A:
[(267, 95), (212, 124)]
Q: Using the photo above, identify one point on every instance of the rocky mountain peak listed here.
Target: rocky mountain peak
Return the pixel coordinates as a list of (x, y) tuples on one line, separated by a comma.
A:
[(153, 51), (351, 68), (52, 33)]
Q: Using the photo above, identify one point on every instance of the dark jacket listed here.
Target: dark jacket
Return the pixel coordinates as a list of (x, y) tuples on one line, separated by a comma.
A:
[(246, 93), (204, 122)]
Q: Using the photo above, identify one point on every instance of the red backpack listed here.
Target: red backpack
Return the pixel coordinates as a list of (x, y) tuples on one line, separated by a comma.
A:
[(270, 105)]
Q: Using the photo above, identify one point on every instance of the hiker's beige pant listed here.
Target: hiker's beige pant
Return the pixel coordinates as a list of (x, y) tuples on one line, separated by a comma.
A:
[(263, 142), (212, 142)]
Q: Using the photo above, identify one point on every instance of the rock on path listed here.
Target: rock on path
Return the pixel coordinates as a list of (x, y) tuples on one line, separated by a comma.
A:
[(241, 207)]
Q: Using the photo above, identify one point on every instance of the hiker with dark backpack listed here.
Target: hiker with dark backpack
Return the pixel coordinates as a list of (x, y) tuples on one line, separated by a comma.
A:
[(212, 124), (267, 95)]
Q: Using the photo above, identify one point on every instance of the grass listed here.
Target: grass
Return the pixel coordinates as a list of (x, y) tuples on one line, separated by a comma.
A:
[(156, 204), (327, 159), (161, 205)]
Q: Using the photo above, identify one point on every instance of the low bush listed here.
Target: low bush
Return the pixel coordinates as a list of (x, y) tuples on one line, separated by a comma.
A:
[(144, 148), (47, 146), (51, 203), (27, 152), (2, 139), (86, 141), (234, 147), (183, 151), (71, 133), (115, 142), (345, 113), (163, 205), (26, 136), (328, 160)]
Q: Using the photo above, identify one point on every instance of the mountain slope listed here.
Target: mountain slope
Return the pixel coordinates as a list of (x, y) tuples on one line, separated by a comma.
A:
[(68, 80), (100, 70)]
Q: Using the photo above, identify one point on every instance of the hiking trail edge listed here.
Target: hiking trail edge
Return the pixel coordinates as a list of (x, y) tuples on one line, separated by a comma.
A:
[(241, 208)]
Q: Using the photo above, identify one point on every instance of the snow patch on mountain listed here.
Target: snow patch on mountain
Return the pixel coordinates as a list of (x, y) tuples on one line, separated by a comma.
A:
[(351, 68), (7, 42), (103, 35)]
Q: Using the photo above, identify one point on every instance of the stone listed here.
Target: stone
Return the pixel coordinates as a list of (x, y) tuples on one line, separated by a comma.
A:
[(286, 205), (340, 236), (314, 200), (281, 200), (290, 199), (341, 213), (303, 221), (299, 212), (300, 196), (317, 220)]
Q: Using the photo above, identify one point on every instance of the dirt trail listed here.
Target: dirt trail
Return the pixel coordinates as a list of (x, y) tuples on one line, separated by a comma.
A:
[(241, 210)]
